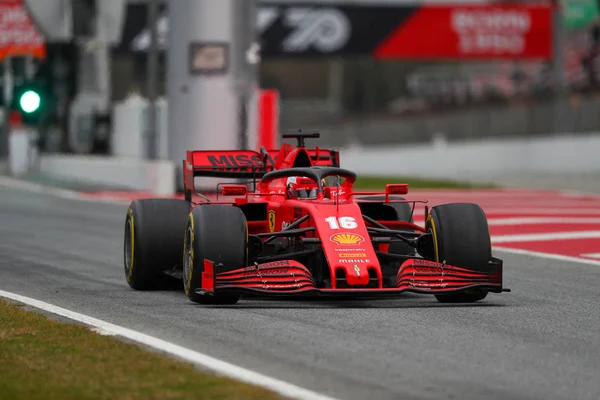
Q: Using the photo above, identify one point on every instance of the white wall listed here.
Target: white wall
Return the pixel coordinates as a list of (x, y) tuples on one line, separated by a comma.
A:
[(474, 160), (157, 176)]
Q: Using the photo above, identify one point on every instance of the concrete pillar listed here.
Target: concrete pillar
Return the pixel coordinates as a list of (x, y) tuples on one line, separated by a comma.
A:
[(209, 79)]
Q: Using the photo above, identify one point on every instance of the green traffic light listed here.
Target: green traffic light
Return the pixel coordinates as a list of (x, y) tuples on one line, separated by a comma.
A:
[(30, 101)]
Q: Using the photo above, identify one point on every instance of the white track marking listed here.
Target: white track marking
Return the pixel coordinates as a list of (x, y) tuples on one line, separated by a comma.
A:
[(536, 211), (102, 332), (535, 220), (590, 255), (543, 237), (214, 364), (542, 205), (542, 220), (549, 256), (562, 211)]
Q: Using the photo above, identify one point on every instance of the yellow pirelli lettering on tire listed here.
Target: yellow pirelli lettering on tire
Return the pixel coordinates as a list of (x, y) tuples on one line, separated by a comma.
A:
[(435, 241), (132, 237), (189, 247)]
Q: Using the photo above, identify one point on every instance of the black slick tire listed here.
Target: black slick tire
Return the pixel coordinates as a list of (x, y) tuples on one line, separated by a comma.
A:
[(218, 233), (153, 241), (461, 237)]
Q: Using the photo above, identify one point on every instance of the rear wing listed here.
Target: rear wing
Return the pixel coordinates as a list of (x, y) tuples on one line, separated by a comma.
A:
[(242, 164)]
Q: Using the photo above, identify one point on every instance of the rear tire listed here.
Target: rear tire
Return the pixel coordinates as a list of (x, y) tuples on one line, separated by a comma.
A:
[(218, 233), (153, 233), (461, 237)]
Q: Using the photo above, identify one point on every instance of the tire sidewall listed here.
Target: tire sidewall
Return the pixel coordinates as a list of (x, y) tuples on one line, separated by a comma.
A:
[(448, 243), (152, 241), (136, 277)]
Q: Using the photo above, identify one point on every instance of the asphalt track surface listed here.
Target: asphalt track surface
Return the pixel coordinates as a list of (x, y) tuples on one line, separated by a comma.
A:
[(541, 341)]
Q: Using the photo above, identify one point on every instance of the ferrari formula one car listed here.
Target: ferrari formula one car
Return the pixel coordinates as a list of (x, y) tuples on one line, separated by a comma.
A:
[(298, 228)]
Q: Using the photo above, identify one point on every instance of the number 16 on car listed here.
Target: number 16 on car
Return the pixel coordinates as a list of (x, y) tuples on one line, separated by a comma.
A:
[(341, 222)]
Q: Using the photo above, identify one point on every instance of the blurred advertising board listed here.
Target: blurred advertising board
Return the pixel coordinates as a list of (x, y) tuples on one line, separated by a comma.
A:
[(18, 33), (471, 32), (395, 31), (579, 13)]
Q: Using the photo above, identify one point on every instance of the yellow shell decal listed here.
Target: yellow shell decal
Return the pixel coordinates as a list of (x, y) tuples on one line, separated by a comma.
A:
[(347, 238), (272, 220)]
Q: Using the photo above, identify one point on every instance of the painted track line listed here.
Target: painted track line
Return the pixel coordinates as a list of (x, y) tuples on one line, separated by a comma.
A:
[(590, 255), (549, 256), (540, 237), (221, 367), (542, 220), (492, 221)]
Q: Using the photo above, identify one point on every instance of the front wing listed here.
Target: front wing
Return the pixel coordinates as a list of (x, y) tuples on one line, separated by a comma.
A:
[(291, 278)]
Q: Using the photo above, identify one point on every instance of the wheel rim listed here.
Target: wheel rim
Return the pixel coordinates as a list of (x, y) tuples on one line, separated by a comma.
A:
[(128, 245)]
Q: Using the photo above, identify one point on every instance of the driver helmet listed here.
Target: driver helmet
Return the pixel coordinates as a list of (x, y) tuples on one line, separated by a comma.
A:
[(301, 188)]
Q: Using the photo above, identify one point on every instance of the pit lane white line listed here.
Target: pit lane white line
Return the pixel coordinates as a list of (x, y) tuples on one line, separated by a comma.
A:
[(542, 237), (535, 220), (214, 364), (538, 211), (590, 255), (548, 256)]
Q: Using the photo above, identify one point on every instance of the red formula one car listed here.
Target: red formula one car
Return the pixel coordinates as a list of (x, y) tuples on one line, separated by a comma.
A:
[(298, 228)]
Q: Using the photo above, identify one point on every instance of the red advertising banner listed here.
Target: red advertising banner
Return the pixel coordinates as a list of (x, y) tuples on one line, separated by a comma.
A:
[(472, 32), (18, 34)]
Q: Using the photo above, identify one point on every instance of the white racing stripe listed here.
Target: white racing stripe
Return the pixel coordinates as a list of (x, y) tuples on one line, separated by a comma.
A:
[(537, 211), (214, 364), (534, 220), (549, 256), (591, 255), (542, 220), (541, 237)]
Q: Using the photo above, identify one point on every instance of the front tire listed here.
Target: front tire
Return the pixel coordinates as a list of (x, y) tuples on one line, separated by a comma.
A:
[(218, 233), (152, 242), (461, 237)]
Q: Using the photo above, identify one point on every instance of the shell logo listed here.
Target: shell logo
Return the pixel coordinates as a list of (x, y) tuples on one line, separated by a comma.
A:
[(347, 238)]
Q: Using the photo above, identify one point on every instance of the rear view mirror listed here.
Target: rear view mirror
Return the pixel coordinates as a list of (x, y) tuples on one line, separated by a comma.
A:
[(234, 190), (396, 188)]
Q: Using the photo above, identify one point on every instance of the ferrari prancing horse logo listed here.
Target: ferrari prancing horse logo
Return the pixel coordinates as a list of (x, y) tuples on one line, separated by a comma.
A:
[(272, 220)]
